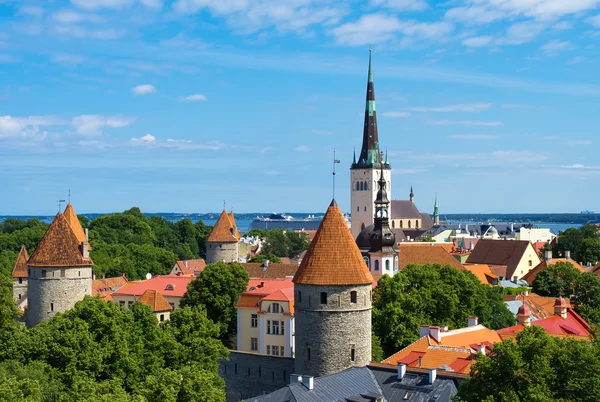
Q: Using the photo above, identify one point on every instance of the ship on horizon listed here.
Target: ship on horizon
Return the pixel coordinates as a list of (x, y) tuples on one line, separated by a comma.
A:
[(288, 222)]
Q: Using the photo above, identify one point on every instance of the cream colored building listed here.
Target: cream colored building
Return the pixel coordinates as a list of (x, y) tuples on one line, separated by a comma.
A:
[(534, 235), (171, 287), (508, 259), (265, 318)]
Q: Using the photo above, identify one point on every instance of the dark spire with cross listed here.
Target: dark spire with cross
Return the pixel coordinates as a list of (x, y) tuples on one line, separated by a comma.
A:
[(369, 154)]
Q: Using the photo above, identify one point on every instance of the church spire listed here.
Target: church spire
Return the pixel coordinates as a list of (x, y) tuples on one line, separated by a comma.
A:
[(436, 214), (382, 239), (412, 195), (369, 153)]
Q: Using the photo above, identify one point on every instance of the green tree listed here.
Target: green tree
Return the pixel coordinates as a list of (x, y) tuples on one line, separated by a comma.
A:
[(376, 350), (535, 367), (286, 243), (583, 243), (556, 280), (434, 295), (275, 243), (218, 288), (264, 257)]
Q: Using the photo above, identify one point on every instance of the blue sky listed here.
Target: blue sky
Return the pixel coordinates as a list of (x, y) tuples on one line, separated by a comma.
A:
[(179, 105)]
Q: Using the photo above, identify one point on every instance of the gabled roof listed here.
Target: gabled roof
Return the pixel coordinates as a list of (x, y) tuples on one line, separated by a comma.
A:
[(71, 217), (267, 290), (482, 272), (555, 325), (421, 254), (20, 269), (540, 307), (404, 209), (155, 300), (530, 276), (223, 231), (59, 247), (189, 267), (333, 257), (106, 286), (500, 253), (167, 285), (258, 270)]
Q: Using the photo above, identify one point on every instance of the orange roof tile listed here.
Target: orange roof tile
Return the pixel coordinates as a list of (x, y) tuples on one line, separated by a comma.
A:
[(189, 267), (167, 285), (59, 247), (234, 225), (71, 217), (258, 270), (107, 286), (421, 254), (540, 306), (555, 325), (20, 269), (155, 300), (530, 276), (267, 290), (223, 231), (333, 257), (482, 272)]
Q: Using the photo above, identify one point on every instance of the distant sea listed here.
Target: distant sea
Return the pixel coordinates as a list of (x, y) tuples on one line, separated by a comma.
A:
[(556, 222)]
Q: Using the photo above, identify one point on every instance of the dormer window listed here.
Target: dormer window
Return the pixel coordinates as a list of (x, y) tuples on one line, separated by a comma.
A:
[(275, 308), (170, 287)]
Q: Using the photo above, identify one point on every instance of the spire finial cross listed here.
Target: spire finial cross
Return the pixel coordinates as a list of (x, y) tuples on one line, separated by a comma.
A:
[(60, 204)]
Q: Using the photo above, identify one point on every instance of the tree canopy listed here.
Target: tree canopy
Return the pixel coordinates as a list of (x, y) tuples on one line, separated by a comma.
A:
[(434, 295), (535, 367), (583, 243), (264, 257), (285, 243), (217, 289)]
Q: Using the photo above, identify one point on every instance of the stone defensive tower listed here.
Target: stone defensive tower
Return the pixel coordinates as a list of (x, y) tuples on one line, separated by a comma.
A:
[(59, 272), (222, 243), (19, 275), (332, 301)]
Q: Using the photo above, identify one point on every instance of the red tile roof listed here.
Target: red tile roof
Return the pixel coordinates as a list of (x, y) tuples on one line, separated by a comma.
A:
[(223, 231), (71, 217), (482, 272), (258, 270), (267, 289), (189, 267), (555, 325), (167, 285), (540, 307), (59, 247), (530, 276), (106, 286), (155, 300), (234, 225), (333, 257), (421, 254), (20, 269)]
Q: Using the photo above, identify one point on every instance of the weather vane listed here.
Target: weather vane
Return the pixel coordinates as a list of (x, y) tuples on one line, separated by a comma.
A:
[(334, 162), (60, 204)]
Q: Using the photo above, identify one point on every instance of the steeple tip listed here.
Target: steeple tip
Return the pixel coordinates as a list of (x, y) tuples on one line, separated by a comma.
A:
[(333, 203)]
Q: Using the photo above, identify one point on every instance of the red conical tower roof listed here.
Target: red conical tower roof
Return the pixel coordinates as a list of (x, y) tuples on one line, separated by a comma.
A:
[(20, 269), (59, 247), (223, 231), (333, 257), (71, 217)]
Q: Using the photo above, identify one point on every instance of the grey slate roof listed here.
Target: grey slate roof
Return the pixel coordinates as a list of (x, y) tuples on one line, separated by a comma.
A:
[(426, 221), (360, 384), (404, 209)]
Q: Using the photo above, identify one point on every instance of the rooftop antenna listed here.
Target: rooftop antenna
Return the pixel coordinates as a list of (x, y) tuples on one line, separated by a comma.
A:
[(69, 196), (224, 205), (334, 162), (60, 204)]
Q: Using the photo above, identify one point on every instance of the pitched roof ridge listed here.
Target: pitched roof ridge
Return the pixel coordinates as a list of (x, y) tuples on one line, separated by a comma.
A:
[(20, 268), (579, 318), (406, 347), (333, 258), (223, 231), (74, 223), (450, 348), (463, 330)]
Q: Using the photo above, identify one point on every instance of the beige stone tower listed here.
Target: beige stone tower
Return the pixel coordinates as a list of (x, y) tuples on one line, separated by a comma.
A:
[(222, 243), (59, 272), (332, 301)]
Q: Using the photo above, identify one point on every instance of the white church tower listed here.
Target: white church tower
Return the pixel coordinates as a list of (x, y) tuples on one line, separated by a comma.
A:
[(365, 172)]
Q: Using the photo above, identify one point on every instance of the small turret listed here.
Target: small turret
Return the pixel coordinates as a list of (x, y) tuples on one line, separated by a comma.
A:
[(436, 213), (411, 196)]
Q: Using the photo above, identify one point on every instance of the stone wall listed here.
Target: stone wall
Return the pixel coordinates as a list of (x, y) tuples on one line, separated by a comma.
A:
[(227, 252), (248, 374), (329, 335), (19, 288), (57, 291)]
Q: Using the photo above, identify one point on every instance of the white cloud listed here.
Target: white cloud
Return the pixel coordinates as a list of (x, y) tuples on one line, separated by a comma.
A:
[(144, 89), (99, 4), (150, 141), (302, 148), (595, 20), (395, 114), (562, 26), (477, 41), (92, 124), (556, 46), (473, 136), (251, 16), (67, 59), (400, 5), (579, 142), (33, 11), (466, 123), (194, 98), (73, 17), (474, 15), (459, 107), (521, 32), (25, 127), (379, 28), (580, 166), (575, 60), (147, 139), (79, 32)]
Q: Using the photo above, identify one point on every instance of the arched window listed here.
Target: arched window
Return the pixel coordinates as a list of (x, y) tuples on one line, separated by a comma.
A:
[(366, 186), (387, 265), (365, 208), (360, 186), (409, 224), (367, 262), (401, 225), (376, 265), (393, 224), (357, 186), (416, 224), (169, 287), (357, 209)]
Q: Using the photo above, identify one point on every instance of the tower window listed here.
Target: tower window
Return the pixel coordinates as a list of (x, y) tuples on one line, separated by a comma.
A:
[(162, 317), (20, 280), (51, 306), (62, 273), (353, 296), (308, 353), (387, 265), (299, 297), (43, 273), (393, 224), (365, 208), (323, 297), (357, 209), (352, 354), (376, 265)]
